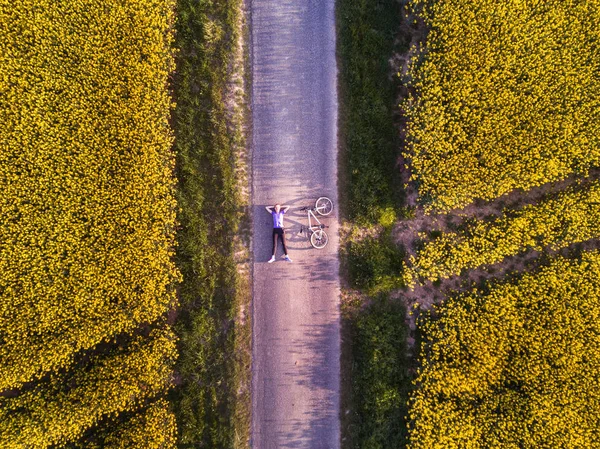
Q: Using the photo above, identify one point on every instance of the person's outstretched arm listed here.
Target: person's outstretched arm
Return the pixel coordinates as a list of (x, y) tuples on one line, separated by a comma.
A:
[(285, 208), (269, 209)]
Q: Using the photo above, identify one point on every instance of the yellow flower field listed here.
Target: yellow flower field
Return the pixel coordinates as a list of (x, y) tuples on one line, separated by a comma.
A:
[(507, 97), (514, 367), (87, 211)]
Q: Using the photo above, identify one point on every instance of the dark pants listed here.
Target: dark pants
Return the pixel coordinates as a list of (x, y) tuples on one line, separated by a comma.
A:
[(279, 232)]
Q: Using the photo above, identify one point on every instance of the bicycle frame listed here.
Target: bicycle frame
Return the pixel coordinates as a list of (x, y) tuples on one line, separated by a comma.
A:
[(310, 226)]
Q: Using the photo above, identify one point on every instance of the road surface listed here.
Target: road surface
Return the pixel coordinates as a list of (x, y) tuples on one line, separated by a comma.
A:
[(296, 341)]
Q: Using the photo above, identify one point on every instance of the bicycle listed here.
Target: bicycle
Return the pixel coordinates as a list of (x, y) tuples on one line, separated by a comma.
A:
[(318, 237)]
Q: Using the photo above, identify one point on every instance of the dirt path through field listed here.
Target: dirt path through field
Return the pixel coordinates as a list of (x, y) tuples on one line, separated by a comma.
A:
[(296, 305)]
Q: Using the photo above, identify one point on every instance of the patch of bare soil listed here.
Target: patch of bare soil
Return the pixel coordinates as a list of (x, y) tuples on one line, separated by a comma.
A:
[(353, 301), (412, 30)]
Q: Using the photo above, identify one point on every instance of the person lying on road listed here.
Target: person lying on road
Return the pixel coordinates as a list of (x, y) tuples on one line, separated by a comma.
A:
[(277, 212)]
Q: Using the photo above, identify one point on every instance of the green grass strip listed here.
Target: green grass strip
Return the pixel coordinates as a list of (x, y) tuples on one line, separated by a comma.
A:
[(207, 198), (375, 379), (380, 379), (366, 32)]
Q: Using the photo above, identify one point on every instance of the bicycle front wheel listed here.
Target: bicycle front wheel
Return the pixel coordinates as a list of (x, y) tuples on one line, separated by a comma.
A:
[(319, 239), (324, 206)]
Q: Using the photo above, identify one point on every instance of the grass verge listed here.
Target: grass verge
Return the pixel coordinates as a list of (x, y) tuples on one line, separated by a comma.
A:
[(380, 377), (369, 139), (375, 369), (212, 371), (373, 261)]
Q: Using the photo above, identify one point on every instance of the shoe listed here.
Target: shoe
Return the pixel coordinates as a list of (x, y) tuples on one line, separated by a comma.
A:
[(287, 258), (272, 259)]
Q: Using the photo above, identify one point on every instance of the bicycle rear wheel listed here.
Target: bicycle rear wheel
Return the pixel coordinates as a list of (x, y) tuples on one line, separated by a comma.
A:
[(324, 206), (319, 239)]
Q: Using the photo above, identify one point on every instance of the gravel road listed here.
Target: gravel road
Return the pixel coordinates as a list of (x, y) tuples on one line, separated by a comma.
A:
[(296, 343)]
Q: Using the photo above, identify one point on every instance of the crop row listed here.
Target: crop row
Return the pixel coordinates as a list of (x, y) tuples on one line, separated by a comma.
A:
[(572, 216), (150, 427), (507, 96), (61, 408), (154, 428), (516, 366)]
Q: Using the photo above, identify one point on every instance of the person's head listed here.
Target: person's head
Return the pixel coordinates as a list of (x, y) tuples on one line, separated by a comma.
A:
[(277, 207)]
